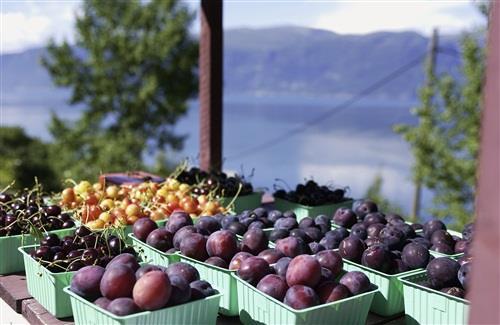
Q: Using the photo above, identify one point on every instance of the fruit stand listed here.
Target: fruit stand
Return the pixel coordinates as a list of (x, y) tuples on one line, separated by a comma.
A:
[(202, 248)]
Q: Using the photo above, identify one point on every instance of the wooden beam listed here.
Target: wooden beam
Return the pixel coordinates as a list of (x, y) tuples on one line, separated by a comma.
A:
[(211, 56), (485, 287)]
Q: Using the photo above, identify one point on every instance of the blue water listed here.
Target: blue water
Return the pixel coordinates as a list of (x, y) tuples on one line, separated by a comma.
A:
[(346, 150)]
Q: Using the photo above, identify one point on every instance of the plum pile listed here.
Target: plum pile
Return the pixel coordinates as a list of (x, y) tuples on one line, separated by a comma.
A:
[(22, 213), (443, 242), (312, 194), (303, 281), (215, 182), (124, 287), (204, 241), (449, 276), (83, 248)]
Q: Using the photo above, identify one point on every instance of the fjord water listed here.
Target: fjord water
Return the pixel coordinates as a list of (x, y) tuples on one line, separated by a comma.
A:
[(346, 149)]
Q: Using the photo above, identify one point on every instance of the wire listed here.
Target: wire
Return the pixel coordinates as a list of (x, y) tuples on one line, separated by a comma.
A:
[(335, 110)]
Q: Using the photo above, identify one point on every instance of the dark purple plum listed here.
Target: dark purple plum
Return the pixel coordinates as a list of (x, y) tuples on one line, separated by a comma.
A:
[(227, 220), (86, 282), (143, 227), (331, 260), (271, 255), (406, 229), (442, 237), (464, 275), (201, 289), (124, 259), (392, 237), (217, 261), (238, 228), (177, 220), (207, 225), (194, 245), (417, 226), (287, 223), (254, 241), (374, 229), (398, 266), (161, 239), (181, 233), (344, 217), (322, 219), (181, 291), (273, 285), (223, 244), (422, 241), (442, 248), (359, 230), (184, 270), (352, 248), (102, 302), (442, 272), (464, 259), (123, 307), (238, 259), (117, 281), (357, 282), (330, 291), (370, 241), (278, 234), (415, 256), (306, 223), (301, 297), (313, 234), (292, 246), (303, 270), (431, 226), (330, 242), (257, 224), (300, 233), (145, 269), (393, 218), (152, 291), (281, 266), (362, 207), (253, 269), (274, 215), (377, 257), (374, 217), (338, 234)]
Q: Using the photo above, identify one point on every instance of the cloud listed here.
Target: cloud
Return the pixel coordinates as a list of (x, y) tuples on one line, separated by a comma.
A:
[(31, 24), (369, 16)]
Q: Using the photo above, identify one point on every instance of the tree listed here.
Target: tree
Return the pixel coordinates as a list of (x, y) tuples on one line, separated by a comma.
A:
[(374, 192), (446, 140), (133, 67), (23, 159)]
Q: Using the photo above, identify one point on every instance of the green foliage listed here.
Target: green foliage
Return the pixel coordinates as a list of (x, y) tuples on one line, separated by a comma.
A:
[(23, 159), (374, 192), (133, 69), (445, 143)]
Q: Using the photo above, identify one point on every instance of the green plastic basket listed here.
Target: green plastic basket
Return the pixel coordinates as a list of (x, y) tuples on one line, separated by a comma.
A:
[(256, 307), (11, 260), (389, 300), (428, 306), (152, 255), (203, 311), (47, 287), (244, 202), (302, 211), (222, 280)]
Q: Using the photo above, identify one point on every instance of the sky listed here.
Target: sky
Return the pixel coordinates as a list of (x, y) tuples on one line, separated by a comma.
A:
[(27, 24)]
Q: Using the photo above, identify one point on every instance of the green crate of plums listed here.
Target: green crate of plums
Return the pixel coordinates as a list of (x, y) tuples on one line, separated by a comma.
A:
[(201, 311), (46, 286), (243, 202), (389, 300), (257, 307), (424, 305), (302, 211)]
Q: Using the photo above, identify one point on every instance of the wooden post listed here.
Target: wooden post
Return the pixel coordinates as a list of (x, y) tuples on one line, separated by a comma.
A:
[(211, 56), (431, 64), (485, 287)]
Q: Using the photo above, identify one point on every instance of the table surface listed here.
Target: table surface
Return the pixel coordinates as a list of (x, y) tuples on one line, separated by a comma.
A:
[(18, 307)]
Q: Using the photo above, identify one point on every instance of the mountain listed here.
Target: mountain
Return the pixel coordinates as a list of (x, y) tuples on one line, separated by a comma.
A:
[(276, 60)]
